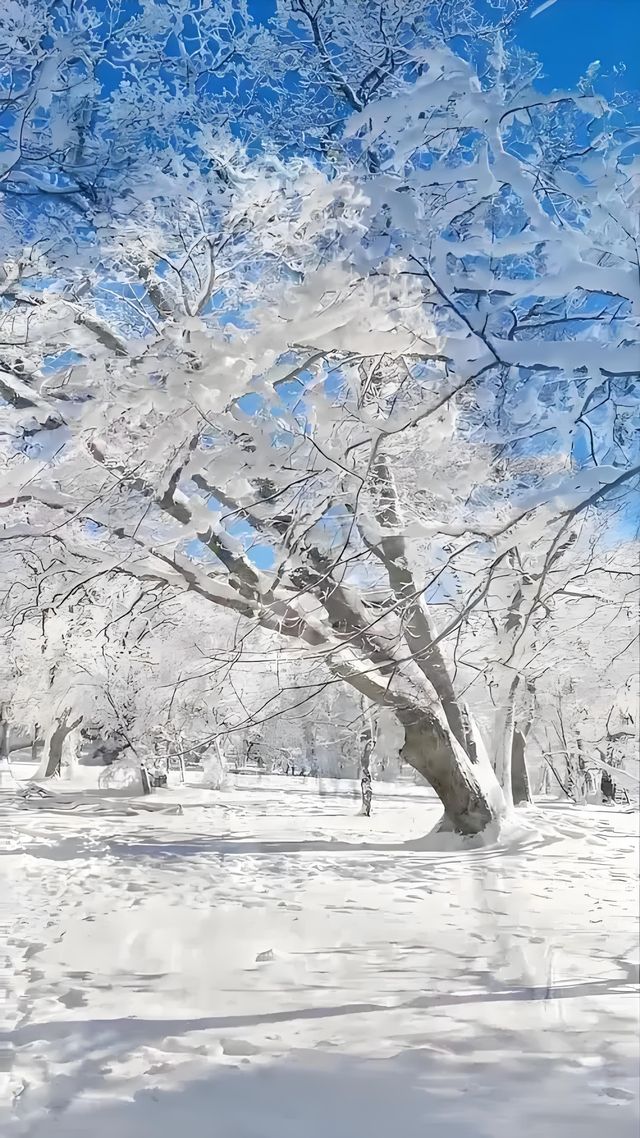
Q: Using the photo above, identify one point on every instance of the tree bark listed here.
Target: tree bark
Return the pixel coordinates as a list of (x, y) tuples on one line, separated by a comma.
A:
[(468, 791), (6, 774), (520, 784), (545, 779), (520, 781), (367, 740), (4, 737), (53, 745), (503, 738), (419, 629)]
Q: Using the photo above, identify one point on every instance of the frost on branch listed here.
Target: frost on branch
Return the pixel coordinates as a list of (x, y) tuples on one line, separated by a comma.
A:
[(368, 386)]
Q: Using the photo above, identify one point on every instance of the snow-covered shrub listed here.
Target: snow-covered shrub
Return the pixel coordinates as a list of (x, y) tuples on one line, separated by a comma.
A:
[(215, 768), (123, 776)]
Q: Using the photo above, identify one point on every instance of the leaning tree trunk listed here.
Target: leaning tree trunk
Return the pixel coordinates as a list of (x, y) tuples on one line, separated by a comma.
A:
[(468, 790), (545, 779), (53, 745)]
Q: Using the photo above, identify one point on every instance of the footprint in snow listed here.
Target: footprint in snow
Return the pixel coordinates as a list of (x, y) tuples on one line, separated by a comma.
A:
[(73, 999), (33, 949), (618, 1093), (174, 1045), (239, 1047)]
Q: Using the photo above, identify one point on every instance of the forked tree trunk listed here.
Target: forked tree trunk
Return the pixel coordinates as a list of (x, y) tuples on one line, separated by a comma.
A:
[(468, 790)]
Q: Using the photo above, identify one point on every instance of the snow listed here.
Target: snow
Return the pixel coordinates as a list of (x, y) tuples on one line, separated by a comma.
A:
[(269, 964)]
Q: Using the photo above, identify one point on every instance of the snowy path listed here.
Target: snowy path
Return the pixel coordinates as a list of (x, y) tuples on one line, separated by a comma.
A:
[(269, 965)]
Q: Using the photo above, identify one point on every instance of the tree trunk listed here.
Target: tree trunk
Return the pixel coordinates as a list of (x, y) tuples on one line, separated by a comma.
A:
[(565, 789), (4, 737), (503, 740), (367, 739), (365, 789), (570, 773), (53, 745), (520, 781), (70, 751), (520, 784), (467, 789), (581, 781), (545, 779), (419, 630), (469, 792), (6, 774)]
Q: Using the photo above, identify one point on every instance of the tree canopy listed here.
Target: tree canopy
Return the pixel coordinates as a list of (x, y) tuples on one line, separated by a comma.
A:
[(329, 319)]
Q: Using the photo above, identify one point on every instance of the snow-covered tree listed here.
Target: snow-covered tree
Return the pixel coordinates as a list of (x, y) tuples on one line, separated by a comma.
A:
[(251, 374)]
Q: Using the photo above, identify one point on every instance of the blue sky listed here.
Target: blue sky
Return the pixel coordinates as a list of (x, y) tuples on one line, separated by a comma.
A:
[(571, 34), (567, 36)]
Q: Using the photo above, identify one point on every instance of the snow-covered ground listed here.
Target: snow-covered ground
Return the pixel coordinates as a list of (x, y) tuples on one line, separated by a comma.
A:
[(268, 964)]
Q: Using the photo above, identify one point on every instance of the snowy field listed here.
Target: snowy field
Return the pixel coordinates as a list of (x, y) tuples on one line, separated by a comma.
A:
[(268, 964)]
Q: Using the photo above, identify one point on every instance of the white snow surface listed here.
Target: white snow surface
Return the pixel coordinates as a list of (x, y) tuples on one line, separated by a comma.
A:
[(270, 964)]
